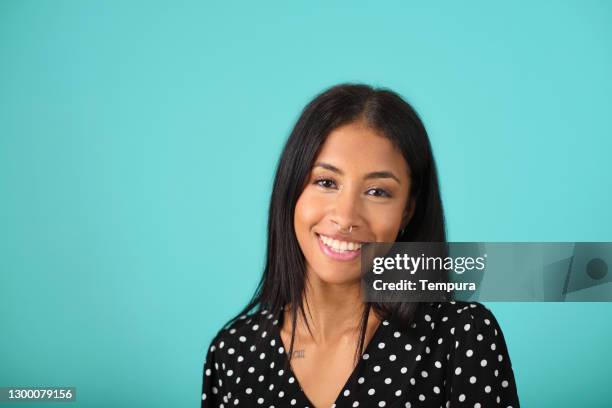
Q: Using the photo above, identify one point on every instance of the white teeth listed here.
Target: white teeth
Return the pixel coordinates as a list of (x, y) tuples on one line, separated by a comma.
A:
[(340, 245)]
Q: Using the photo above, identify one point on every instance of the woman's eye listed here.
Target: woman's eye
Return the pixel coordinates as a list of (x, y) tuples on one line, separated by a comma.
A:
[(378, 192), (325, 183)]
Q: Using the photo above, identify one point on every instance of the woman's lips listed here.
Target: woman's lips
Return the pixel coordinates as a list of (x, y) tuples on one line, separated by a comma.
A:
[(336, 255)]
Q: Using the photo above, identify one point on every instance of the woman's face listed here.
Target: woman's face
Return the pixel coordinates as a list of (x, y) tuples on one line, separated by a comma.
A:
[(358, 179)]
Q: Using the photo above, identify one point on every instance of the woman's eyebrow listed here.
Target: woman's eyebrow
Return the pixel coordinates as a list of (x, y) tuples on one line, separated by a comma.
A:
[(372, 175)]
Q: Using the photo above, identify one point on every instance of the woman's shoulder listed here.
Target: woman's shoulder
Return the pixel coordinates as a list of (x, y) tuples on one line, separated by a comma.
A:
[(461, 318), (244, 330), (458, 311), (469, 336)]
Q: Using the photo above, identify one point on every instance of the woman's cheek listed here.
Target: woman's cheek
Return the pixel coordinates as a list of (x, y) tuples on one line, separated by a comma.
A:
[(309, 208), (386, 226)]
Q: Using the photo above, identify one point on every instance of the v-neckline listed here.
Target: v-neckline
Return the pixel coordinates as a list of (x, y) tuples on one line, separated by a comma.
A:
[(287, 361)]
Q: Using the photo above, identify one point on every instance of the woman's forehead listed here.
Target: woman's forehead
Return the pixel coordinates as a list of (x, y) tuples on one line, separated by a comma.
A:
[(360, 148)]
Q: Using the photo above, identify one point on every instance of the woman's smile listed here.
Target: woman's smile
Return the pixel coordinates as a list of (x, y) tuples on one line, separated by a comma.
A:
[(338, 249)]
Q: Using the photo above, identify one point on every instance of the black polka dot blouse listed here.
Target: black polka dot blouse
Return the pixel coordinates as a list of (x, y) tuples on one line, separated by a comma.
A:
[(453, 355)]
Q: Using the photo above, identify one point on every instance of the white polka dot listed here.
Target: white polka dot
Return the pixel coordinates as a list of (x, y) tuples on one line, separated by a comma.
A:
[(472, 379), (457, 370), (371, 391), (461, 397), (483, 362), (469, 353)]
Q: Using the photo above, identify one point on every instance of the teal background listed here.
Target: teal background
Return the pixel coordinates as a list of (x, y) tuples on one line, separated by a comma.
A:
[(137, 148)]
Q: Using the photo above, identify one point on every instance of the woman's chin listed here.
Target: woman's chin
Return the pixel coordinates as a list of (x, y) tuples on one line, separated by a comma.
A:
[(339, 278)]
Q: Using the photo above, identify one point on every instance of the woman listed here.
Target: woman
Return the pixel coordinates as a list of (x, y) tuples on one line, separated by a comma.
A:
[(357, 167)]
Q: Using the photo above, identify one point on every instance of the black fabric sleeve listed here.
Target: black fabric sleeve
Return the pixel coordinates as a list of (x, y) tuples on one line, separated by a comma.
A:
[(481, 373), (213, 383)]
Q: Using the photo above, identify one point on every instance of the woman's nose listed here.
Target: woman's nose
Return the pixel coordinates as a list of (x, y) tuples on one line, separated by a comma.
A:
[(347, 210)]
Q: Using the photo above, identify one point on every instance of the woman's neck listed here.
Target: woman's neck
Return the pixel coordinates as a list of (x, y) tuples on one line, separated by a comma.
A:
[(333, 312)]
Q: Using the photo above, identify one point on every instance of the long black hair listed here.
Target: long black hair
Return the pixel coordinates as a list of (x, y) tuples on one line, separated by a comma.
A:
[(284, 276)]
